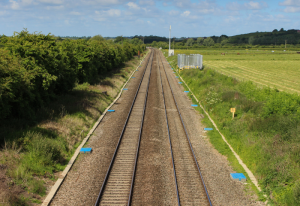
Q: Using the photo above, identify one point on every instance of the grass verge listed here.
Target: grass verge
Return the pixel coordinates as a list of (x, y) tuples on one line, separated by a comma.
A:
[(264, 131)]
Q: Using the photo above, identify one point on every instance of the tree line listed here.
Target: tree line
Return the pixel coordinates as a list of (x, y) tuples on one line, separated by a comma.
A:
[(274, 38)]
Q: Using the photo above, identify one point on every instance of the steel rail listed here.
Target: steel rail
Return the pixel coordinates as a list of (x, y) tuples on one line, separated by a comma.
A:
[(187, 136), (122, 133), (140, 135), (174, 171)]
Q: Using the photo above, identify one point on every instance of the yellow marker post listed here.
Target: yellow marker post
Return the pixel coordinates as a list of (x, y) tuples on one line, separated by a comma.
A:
[(233, 111)]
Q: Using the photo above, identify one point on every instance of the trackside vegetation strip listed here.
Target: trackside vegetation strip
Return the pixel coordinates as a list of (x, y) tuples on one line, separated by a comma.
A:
[(264, 131)]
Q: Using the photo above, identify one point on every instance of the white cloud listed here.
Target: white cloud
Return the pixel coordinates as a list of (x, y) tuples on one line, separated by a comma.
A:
[(76, 13), (54, 7), (150, 23), (230, 19), (173, 13), (113, 12), (26, 2), (252, 5), (206, 11), (133, 5), (101, 2), (186, 13), (292, 6), (103, 15), (277, 18), (147, 2), (52, 1), (14, 5), (291, 9), (290, 3)]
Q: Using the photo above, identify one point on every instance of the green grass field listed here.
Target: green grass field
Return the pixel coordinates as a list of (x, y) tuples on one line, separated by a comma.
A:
[(278, 69)]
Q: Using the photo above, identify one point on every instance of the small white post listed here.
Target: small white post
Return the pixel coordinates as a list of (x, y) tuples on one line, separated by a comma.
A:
[(169, 40)]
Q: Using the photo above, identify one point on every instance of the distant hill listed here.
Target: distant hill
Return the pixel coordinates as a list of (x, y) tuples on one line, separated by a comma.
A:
[(275, 37), (292, 36), (266, 38)]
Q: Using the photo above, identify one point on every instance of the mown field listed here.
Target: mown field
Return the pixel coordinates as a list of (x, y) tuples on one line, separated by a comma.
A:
[(278, 69), (265, 131)]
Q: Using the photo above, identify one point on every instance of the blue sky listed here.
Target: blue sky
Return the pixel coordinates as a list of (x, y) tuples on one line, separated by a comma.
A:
[(189, 18)]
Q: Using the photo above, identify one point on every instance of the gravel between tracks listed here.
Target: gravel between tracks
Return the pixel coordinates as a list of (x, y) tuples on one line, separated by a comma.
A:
[(154, 184)]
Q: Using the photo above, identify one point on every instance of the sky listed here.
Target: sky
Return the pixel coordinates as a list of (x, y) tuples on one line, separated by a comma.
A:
[(110, 18)]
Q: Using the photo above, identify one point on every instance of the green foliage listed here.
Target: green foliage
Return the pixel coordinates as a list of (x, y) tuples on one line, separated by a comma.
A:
[(35, 68), (200, 40), (42, 154), (264, 132), (136, 41), (97, 38), (208, 42), (189, 42)]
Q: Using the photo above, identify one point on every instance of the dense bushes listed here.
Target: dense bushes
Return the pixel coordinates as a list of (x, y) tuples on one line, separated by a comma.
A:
[(35, 68)]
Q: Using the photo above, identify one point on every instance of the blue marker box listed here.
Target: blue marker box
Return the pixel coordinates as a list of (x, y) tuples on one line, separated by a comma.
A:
[(86, 150), (208, 129), (238, 176)]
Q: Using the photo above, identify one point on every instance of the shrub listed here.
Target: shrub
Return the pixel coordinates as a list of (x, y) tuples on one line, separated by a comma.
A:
[(35, 68)]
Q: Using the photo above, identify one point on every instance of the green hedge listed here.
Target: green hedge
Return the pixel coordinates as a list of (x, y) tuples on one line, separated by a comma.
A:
[(35, 68)]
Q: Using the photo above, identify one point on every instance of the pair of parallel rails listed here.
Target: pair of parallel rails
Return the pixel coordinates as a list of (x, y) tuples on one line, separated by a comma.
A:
[(118, 184)]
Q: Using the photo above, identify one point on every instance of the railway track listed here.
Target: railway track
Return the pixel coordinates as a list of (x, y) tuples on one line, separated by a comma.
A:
[(118, 185), (190, 186)]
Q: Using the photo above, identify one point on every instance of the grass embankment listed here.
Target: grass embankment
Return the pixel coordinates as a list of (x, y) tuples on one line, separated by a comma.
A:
[(264, 132), (36, 150)]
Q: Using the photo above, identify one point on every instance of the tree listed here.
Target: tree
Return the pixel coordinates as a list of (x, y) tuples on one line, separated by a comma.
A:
[(189, 42), (281, 29), (275, 30), (208, 42), (251, 40), (223, 42), (97, 38), (154, 44), (136, 41), (119, 39), (200, 40)]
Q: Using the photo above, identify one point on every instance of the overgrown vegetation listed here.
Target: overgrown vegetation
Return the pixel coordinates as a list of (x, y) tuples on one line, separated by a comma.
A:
[(265, 130), (35, 68), (51, 94)]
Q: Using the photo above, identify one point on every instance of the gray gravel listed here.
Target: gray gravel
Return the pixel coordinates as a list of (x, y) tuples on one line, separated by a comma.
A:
[(215, 167), (154, 184)]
